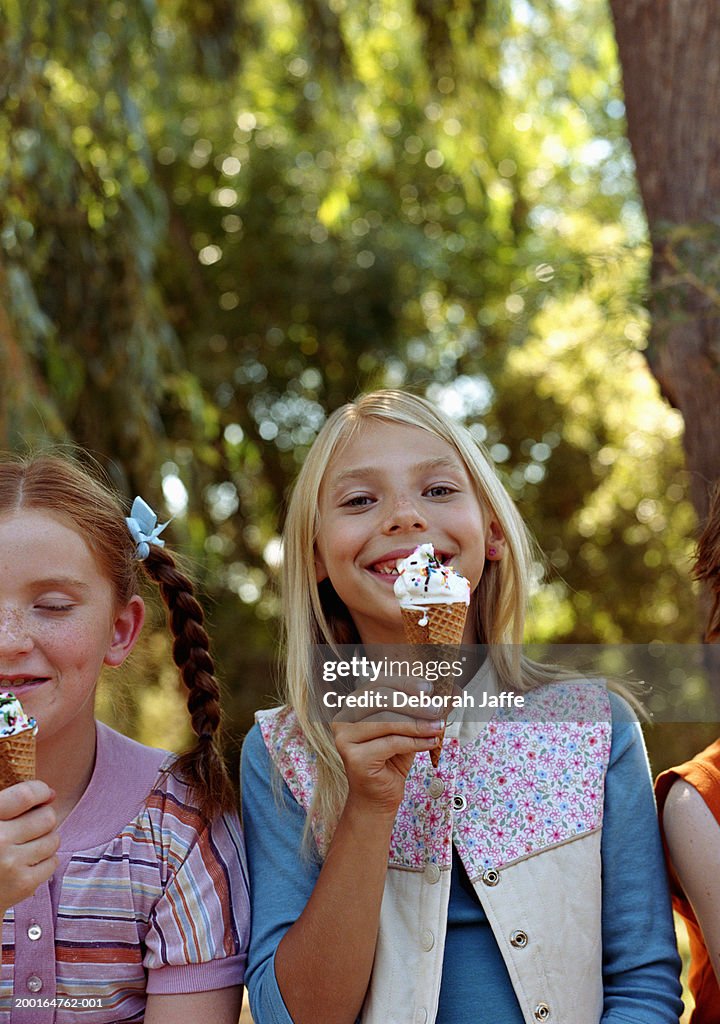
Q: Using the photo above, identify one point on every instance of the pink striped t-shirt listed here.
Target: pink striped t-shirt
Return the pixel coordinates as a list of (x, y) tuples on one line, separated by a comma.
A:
[(146, 899)]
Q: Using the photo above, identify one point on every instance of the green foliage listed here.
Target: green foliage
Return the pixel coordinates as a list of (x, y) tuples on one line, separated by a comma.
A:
[(81, 220), (221, 221)]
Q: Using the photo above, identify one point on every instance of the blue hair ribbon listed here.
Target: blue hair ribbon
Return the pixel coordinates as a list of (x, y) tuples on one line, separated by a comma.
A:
[(144, 528)]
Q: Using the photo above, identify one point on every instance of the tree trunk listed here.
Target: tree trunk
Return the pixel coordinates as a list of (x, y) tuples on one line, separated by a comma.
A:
[(670, 57)]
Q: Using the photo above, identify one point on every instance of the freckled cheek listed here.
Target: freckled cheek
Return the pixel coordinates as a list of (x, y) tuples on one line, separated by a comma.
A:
[(13, 623), (68, 646)]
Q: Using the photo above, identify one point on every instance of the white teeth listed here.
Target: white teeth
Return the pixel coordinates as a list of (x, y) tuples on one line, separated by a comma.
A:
[(386, 570)]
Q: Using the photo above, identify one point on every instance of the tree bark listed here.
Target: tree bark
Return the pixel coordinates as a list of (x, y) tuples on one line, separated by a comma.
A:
[(670, 57)]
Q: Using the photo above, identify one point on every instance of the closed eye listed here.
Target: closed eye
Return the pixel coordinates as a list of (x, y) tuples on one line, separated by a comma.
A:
[(55, 607)]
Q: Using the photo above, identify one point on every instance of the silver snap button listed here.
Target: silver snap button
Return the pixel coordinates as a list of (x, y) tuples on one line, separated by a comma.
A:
[(490, 877), (432, 873), (436, 788), (34, 983), (519, 939), (427, 940), (542, 1011), (459, 803), (34, 932)]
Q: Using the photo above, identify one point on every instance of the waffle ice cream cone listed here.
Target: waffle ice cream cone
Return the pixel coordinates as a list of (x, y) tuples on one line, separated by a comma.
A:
[(435, 623), (17, 758), (434, 602), (17, 742)]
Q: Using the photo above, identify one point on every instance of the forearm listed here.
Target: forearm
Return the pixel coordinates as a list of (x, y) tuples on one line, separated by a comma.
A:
[(324, 962), (640, 960), (222, 1006)]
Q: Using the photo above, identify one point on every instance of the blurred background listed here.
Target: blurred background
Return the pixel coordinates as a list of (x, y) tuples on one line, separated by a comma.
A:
[(220, 220)]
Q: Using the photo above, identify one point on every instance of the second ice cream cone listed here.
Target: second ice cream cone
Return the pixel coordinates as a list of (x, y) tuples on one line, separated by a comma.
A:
[(17, 758), (17, 742)]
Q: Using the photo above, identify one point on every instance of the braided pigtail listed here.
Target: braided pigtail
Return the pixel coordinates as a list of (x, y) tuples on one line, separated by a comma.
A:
[(203, 767)]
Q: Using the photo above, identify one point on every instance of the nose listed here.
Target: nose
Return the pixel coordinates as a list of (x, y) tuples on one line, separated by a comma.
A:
[(14, 635), (404, 515)]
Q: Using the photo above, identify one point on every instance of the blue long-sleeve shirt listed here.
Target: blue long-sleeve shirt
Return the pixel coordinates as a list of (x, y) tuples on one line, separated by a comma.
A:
[(640, 961)]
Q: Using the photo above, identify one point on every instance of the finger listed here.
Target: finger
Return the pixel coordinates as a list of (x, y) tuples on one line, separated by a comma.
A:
[(420, 684), (370, 729), (384, 711), (423, 724), (412, 697), (384, 748), (39, 873), (39, 850), (423, 705), (17, 800), (38, 821), (414, 686), (453, 690), (406, 684)]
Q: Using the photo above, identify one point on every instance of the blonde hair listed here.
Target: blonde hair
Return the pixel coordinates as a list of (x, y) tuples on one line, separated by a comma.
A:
[(314, 614)]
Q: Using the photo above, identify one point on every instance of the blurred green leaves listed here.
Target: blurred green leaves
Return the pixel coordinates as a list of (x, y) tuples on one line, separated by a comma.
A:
[(220, 221)]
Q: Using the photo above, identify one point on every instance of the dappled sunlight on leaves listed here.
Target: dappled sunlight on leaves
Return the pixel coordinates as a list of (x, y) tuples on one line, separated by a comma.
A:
[(220, 222)]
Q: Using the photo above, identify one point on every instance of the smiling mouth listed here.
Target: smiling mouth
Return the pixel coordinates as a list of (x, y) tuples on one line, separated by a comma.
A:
[(384, 568), (388, 567), (18, 683)]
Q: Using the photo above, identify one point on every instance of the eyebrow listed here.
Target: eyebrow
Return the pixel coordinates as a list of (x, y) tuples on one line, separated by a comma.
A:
[(366, 472), (60, 581)]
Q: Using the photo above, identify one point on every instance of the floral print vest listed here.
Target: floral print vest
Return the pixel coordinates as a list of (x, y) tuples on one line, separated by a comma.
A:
[(531, 779)]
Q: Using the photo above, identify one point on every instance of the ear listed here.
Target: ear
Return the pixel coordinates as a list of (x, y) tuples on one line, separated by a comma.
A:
[(321, 572), (125, 631), (494, 542)]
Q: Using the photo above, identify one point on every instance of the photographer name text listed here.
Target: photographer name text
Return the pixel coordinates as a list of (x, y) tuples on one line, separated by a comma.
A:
[(397, 699)]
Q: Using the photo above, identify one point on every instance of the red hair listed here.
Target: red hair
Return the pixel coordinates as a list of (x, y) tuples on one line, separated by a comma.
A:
[(58, 484)]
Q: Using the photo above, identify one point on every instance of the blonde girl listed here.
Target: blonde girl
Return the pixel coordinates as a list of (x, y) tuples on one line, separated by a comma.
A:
[(522, 880), (122, 878)]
